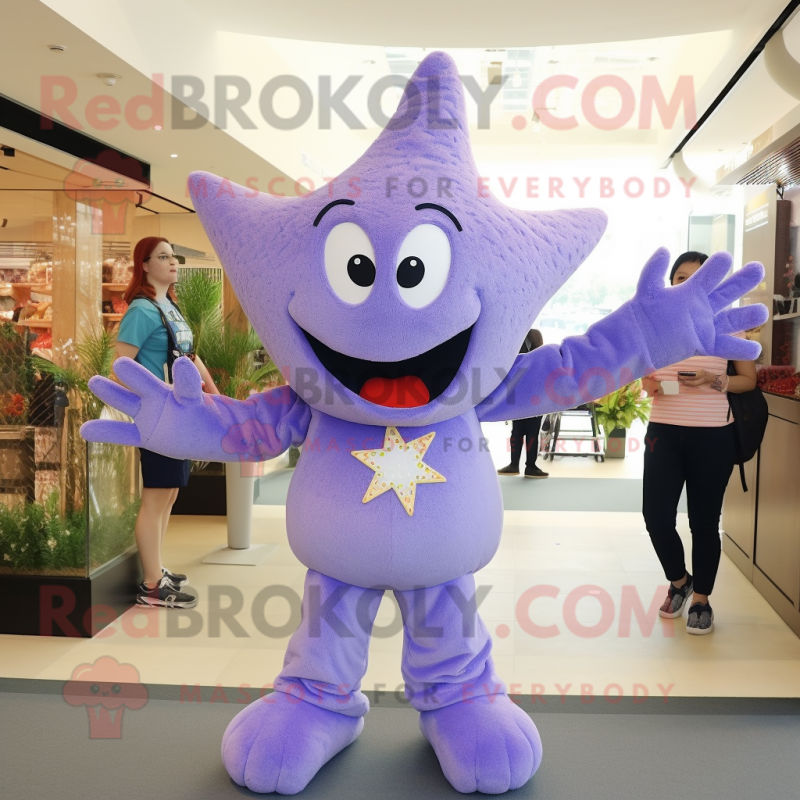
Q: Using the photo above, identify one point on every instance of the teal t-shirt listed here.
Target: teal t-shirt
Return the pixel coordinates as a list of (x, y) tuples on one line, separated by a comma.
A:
[(142, 327)]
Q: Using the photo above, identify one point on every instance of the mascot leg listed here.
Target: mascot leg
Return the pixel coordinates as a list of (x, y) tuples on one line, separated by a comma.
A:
[(279, 742), (484, 742)]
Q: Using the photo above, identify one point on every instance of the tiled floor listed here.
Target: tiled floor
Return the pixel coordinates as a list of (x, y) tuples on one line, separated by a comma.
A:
[(600, 563)]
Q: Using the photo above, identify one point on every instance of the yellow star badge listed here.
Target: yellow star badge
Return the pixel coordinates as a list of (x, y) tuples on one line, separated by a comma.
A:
[(399, 466)]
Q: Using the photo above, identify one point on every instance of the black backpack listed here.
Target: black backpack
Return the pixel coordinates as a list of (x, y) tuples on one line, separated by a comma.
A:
[(750, 415)]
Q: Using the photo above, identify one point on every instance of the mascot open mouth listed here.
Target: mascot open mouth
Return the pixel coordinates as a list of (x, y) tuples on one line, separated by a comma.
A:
[(409, 383)]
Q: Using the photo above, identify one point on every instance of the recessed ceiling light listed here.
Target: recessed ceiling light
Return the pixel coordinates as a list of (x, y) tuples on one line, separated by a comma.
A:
[(173, 155), (156, 127)]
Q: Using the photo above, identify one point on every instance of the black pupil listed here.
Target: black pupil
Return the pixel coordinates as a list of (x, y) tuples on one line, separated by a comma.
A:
[(361, 270), (410, 272)]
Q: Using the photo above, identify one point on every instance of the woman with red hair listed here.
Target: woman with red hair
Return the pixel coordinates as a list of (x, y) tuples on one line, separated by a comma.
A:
[(153, 332)]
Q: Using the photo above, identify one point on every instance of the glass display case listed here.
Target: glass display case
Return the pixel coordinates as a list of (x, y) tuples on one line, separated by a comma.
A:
[(37, 535), (68, 561)]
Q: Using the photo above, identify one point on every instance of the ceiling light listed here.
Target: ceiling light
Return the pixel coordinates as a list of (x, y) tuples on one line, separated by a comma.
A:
[(108, 78), (157, 127), (56, 48), (173, 155)]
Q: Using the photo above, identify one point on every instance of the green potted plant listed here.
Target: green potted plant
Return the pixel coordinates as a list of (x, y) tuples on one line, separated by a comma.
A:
[(617, 411), (232, 357)]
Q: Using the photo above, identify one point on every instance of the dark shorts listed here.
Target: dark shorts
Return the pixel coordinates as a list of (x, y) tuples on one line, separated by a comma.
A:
[(163, 472)]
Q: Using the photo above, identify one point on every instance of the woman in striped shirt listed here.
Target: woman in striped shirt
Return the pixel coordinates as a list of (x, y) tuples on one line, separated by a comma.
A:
[(690, 441)]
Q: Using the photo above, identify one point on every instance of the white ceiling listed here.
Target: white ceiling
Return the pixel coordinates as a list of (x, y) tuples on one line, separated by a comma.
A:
[(25, 60), (308, 38), (756, 104), (473, 23)]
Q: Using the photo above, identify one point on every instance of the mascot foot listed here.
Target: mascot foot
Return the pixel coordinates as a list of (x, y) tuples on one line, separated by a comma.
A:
[(486, 744), (278, 743)]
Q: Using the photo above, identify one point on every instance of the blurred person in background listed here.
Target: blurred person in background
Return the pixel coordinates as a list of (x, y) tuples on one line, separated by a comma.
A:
[(526, 429), (690, 442)]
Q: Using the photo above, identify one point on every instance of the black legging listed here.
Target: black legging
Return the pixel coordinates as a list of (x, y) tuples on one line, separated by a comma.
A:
[(702, 458), (528, 429)]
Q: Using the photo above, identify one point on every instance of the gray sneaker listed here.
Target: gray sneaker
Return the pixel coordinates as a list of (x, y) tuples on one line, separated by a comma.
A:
[(676, 599), (700, 620), (165, 595)]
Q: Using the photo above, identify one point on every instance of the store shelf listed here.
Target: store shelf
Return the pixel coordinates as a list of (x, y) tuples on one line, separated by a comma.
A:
[(116, 287), (779, 317), (781, 394), (36, 323), (41, 288)]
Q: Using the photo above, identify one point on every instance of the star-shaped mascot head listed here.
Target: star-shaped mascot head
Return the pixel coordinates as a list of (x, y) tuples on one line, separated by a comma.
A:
[(398, 293)]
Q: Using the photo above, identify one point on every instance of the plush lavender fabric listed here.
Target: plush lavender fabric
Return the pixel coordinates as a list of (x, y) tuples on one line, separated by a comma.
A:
[(279, 742), (486, 744), (456, 525), (316, 321), (483, 741)]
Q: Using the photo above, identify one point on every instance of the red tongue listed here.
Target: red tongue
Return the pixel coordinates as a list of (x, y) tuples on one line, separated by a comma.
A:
[(406, 392)]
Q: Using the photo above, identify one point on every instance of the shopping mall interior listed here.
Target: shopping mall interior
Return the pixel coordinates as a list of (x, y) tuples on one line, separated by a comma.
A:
[(680, 122)]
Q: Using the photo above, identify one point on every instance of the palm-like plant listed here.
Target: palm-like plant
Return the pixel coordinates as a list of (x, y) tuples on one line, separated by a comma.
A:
[(229, 353), (230, 356), (200, 299)]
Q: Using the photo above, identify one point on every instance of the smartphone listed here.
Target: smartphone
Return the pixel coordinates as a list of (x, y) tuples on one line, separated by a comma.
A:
[(687, 374)]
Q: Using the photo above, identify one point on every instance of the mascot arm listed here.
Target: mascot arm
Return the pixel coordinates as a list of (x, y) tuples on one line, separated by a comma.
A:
[(181, 421), (660, 326)]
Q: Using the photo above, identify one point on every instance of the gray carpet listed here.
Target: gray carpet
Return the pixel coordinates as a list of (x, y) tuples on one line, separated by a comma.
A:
[(519, 494), (715, 750)]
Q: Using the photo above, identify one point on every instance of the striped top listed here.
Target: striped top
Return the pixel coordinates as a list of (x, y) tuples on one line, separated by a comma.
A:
[(693, 406)]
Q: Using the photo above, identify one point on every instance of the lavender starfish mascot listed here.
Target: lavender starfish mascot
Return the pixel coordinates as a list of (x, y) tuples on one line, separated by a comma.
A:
[(398, 295)]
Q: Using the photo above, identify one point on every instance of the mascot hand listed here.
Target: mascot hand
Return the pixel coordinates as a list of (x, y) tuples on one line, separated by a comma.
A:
[(180, 412), (693, 318)]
